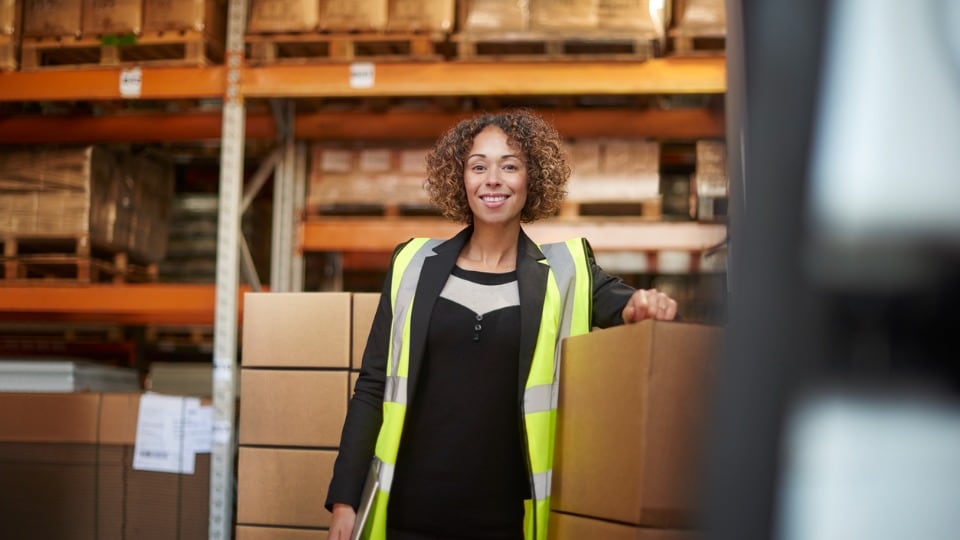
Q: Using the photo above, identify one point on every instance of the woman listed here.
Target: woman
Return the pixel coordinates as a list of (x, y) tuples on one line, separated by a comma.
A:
[(461, 358)]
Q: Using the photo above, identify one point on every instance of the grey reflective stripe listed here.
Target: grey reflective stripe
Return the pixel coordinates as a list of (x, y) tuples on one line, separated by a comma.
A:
[(539, 398), (541, 485), (385, 476), (396, 390), (401, 305), (565, 271)]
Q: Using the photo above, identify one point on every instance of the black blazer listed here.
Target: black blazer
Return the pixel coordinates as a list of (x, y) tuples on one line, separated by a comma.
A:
[(365, 412)]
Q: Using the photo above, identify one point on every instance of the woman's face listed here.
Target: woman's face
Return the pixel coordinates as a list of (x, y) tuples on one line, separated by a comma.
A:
[(495, 178)]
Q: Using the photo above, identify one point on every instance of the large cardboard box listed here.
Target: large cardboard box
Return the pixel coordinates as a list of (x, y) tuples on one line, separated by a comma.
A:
[(9, 17), (292, 408), (112, 17), (283, 16), (52, 18), (559, 15), (629, 420), (350, 15), (298, 330), (61, 418), (176, 15), (492, 16), (570, 527), (364, 309), (419, 15), (247, 532), (283, 487)]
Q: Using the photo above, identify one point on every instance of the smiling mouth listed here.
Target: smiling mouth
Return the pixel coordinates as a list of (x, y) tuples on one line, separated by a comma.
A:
[(493, 198)]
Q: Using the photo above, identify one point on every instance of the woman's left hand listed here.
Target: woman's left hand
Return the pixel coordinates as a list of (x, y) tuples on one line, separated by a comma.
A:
[(649, 304)]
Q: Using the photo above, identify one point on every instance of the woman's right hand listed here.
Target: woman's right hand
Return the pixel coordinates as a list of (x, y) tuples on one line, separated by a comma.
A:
[(341, 526)]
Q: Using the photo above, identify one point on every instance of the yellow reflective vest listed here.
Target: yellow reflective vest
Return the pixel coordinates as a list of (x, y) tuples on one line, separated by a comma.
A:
[(566, 312)]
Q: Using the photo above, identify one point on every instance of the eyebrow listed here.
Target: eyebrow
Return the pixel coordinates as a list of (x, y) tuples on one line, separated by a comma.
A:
[(502, 157)]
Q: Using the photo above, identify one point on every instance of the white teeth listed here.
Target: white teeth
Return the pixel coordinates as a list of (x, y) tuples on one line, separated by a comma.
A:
[(494, 198)]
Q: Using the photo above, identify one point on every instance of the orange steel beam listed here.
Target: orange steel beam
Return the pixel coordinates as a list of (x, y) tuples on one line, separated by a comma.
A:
[(693, 123), (382, 234), (704, 75), (134, 128), (127, 304), (97, 84)]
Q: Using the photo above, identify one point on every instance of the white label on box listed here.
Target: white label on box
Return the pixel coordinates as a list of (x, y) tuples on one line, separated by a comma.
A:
[(361, 75), (160, 444), (199, 429), (375, 160), (131, 82)]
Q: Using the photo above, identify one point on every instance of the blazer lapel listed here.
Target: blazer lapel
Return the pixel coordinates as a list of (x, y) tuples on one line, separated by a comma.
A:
[(532, 283), (433, 276)]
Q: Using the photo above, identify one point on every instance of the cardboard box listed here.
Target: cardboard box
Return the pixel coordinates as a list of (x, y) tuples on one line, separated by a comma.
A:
[(630, 414), (563, 14), (701, 15), (52, 18), (163, 505), (112, 17), (176, 15), (283, 487), (246, 532), (631, 15), (569, 527), (350, 15), (491, 16), (283, 16), (292, 408), (419, 15), (9, 17), (301, 330), (364, 309)]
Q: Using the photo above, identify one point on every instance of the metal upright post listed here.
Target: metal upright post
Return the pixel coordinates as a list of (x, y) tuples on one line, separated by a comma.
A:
[(282, 249), (225, 323)]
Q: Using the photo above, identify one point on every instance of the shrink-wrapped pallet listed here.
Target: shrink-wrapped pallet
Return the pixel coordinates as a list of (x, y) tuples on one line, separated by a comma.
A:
[(614, 170), (379, 176), (112, 17), (553, 15), (700, 15), (208, 16), (152, 198), (66, 192), (632, 15)]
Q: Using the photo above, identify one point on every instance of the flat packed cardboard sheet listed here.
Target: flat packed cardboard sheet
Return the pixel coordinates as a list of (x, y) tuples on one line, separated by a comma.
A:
[(283, 487)]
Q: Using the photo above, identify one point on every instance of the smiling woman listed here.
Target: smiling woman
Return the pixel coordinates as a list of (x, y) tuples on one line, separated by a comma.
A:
[(447, 421)]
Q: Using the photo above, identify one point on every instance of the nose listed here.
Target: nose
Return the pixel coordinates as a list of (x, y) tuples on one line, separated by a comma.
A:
[(493, 177)]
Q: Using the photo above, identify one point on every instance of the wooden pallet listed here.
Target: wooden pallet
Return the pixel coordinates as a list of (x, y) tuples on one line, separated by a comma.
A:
[(701, 42), (651, 209), (539, 46), (323, 47), (389, 209), (175, 337), (8, 53), (66, 259), (182, 48)]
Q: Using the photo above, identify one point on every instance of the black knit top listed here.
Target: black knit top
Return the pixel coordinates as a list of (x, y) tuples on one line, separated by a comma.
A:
[(461, 469)]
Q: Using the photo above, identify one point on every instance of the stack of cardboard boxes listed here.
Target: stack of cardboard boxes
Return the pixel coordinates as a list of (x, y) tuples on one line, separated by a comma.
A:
[(298, 349), (630, 412)]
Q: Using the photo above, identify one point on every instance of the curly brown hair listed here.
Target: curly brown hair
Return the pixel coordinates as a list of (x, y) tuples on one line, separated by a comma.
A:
[(540, 144)]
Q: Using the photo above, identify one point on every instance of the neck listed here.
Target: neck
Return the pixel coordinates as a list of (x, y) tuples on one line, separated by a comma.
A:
[(492, 249)]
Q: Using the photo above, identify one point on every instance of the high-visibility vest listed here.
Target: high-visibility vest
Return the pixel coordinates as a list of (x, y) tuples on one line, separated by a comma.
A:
[(566, 312)]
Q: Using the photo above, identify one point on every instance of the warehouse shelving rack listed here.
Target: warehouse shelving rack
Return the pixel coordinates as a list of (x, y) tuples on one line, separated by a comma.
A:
[(233, 83)]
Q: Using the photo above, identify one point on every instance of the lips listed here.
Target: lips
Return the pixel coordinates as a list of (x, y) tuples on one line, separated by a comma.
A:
[(493, 198)]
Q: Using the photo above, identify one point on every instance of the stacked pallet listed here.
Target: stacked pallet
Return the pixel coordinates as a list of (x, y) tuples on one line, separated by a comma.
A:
[(711, 182), (380, 180), (569, 29), (76, 33), (700, 27), (622, 173), (310, 31), (82, 213), (9, 33)]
